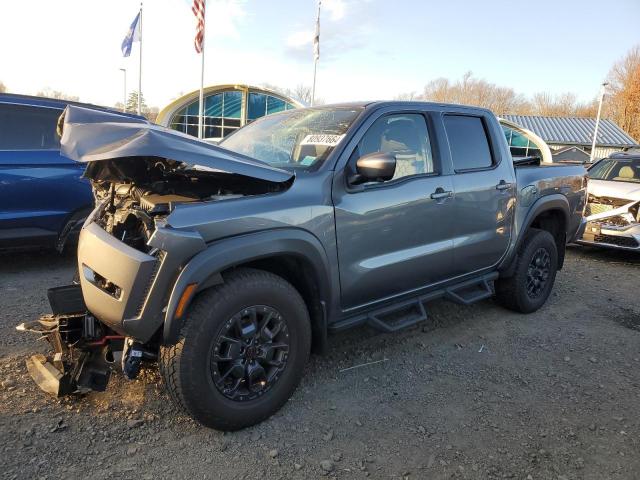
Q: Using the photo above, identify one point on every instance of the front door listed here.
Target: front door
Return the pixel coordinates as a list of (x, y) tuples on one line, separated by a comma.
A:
[(394, 236)]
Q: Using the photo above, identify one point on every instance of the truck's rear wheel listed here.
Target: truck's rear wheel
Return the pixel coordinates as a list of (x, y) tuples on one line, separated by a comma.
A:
[(535, 272), (241, 352)]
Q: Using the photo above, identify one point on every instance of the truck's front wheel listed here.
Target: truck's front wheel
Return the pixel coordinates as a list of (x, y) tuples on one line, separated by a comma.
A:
[(535, 272), (241, 352)]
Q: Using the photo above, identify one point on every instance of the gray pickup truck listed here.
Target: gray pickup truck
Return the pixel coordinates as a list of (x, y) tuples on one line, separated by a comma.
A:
[(229, 264)]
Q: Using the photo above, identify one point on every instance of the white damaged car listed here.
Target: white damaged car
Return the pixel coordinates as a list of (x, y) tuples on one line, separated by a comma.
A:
[(612, 214)]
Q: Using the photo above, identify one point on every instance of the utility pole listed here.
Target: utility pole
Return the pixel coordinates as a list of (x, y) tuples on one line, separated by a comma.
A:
[(124, 90), (603, 91)]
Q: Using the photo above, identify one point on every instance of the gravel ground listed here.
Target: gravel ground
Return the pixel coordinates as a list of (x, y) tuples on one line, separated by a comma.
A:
[(478, 392)]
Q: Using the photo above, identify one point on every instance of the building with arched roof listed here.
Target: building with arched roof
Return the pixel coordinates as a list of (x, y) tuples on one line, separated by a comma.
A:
[(226, 108)]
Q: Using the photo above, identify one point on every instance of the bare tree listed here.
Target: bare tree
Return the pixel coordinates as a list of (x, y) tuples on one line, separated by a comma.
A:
[(472, 91), (300, 92), (303, 93), (3, 87), (48, 92), (623, 105), (562, 105), (501, 100)]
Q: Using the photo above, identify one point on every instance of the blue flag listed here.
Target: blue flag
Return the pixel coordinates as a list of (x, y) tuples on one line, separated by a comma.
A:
[(133, 35)]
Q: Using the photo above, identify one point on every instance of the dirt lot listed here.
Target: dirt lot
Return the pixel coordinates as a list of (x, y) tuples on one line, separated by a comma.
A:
[(479, 392)]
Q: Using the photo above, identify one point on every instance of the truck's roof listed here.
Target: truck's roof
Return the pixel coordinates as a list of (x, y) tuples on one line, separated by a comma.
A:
[(399, 103)]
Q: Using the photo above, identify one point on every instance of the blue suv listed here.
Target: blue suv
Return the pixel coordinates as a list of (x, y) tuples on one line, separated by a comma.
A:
[(43, 199)]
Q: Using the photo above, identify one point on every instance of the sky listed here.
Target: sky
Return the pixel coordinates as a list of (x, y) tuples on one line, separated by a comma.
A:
[(369, 49)]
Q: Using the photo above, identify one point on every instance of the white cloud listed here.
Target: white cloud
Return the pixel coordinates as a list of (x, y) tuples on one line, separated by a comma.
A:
[(332, 11), (336, 8), (300, 39), (224, 18)]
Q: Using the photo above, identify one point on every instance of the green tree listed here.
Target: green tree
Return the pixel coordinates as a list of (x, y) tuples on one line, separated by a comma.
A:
[(151, 113), (132, 103)]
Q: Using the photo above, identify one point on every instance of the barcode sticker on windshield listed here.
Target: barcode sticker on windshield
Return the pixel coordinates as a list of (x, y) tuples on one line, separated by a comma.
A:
[(322, 139)]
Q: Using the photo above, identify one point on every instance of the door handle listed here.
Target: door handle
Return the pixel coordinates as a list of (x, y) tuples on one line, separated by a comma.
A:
[(441, 193), (503, 185)]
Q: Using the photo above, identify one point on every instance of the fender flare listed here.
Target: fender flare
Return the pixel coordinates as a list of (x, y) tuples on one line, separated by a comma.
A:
[(205, 268), (555, 201), (546, 203)]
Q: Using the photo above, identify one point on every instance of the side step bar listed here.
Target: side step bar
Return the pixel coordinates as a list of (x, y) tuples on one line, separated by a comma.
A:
[(398, 316), (471, 291)]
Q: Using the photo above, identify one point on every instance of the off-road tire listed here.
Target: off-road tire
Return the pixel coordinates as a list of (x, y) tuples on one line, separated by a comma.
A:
[(185, 366), (512, 292)]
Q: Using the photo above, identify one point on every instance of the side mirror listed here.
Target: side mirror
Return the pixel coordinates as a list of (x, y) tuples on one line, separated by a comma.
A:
[(375, 167)]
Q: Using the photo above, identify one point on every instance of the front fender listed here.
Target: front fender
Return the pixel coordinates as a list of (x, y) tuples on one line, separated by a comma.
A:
[(205, 268)]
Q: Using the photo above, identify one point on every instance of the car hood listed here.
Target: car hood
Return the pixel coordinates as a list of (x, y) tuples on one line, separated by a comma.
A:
[(607, 188), (89, 135)]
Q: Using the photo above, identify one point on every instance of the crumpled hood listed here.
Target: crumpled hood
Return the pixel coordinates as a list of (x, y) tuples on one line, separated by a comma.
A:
[(607, 188), (89, 135)]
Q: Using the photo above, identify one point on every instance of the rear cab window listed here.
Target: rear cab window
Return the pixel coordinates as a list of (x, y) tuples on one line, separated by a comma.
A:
[(468, 143), (26, 127)]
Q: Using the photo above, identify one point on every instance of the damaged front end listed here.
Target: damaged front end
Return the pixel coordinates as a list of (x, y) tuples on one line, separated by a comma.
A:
[(129, 256), (83, 350), (612, 223)]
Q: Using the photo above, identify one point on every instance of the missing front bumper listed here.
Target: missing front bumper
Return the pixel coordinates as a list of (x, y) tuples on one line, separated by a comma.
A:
[(76, 365), (81, 349)]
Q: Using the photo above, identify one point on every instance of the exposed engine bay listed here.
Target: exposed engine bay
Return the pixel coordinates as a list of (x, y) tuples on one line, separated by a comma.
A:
[(135, 192)]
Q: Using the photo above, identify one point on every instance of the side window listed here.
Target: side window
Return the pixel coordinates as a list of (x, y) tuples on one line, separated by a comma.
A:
[(468, 142), (520, 145), (404, 135), (24, 127)]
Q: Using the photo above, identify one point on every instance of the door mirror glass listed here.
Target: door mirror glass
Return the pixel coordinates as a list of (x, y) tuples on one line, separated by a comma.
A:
[(376, 167)]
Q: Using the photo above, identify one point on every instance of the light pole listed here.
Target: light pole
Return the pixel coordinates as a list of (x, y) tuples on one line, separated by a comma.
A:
[(124, 90), (603, 91)]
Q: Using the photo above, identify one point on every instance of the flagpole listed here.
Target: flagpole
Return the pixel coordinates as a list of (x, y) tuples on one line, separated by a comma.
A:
[(316, 55), (313, 89), (140, 66), (201, 101)]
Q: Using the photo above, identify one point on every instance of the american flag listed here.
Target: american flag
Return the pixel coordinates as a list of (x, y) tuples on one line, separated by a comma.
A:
[(198, 11)]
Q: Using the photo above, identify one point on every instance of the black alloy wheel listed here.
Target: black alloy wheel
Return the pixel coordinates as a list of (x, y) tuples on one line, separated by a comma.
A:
[(250, 353), (538, 272), (241, 352), (529, 285)]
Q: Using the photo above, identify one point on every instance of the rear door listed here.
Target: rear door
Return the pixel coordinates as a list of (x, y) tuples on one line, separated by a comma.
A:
[(394, 236), (485, 187), (39, 188)]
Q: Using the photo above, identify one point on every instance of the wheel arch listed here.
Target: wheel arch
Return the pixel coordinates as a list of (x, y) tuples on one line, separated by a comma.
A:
[(550, 213), (294, 254)]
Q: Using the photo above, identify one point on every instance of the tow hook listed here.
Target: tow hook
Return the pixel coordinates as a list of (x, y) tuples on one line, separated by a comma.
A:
[(132, 357)]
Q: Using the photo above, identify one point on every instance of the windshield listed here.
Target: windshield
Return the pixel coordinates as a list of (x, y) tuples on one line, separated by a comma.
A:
[(616, 170), (301, 138)]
